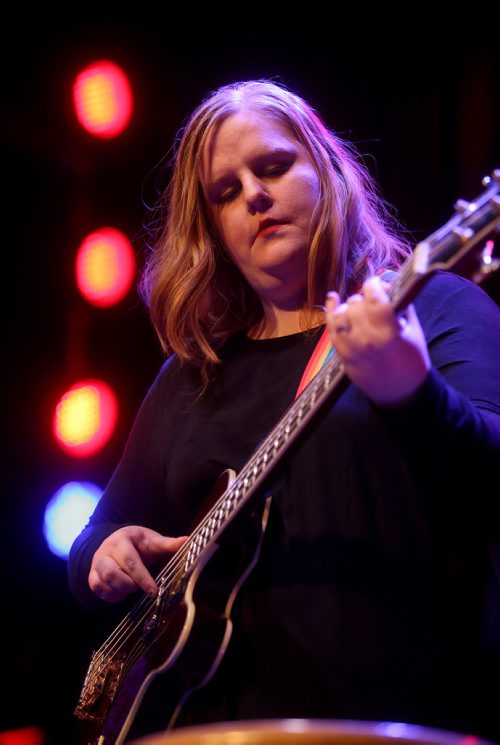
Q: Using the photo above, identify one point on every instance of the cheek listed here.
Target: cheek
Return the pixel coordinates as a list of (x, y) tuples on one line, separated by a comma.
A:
[(221, 224), (305, 192), (228, 227), (314, 188)]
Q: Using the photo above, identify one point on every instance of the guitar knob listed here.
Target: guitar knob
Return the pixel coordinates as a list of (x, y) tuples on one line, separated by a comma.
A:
[(461, 205), (495, 175), (463, 234)]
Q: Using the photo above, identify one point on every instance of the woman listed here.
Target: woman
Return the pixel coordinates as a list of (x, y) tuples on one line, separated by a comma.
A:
[(372, 591)]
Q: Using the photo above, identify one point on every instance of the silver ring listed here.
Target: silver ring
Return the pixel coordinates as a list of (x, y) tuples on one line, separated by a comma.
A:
[(343, 327)]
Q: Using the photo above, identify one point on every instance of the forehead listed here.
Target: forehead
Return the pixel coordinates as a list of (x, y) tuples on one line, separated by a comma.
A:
[(242, 135)]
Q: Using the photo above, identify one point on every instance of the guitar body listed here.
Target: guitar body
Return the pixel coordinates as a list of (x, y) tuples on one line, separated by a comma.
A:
[(183, 638)]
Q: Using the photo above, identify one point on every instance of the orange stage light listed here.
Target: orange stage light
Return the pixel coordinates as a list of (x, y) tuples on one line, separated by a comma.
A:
[(103, 100), (105, 267), (85, 418)]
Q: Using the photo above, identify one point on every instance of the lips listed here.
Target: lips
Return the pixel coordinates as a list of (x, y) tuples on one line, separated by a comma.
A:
[(266, 226)]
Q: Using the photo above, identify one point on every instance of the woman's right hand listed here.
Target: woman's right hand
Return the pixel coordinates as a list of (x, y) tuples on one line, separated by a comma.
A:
[(119, 564), (383, 353)]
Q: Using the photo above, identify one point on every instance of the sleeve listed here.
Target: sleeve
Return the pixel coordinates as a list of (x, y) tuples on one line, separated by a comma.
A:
[(135, 492), (450, 433)]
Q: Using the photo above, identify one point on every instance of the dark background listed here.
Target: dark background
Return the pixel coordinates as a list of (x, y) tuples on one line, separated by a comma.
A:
[(418, 97)]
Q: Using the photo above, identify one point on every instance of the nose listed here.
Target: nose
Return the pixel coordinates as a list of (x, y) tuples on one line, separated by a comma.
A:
[(256, 194)]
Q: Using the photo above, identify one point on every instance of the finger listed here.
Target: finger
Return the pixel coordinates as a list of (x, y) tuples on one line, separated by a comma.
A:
[(410, 314), (373, 290), (165, 544), (332, 301), (338, 319), (342, 328), (110, 595), (408, 318), (340, 310), (356, 298), (341, 320), (112, 585), (378, 305), (133, 566), (153, 546)]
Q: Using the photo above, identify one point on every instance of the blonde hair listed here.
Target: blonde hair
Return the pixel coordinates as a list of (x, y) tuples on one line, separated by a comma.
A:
[(197, 297)]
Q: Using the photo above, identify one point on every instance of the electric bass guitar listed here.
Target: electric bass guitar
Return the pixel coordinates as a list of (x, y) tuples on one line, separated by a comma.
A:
[(176, 641)]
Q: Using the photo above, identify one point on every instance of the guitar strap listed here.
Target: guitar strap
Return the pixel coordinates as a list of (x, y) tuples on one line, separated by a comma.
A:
[(321, 353), (324, 350)]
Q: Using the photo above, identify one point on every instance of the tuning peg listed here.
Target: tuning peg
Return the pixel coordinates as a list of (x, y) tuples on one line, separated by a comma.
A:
[(463, 234), (461, 205), (495, 176), (488, 263)]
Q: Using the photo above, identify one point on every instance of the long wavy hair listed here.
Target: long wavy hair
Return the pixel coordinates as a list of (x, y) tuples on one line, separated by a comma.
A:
[(196, 295)]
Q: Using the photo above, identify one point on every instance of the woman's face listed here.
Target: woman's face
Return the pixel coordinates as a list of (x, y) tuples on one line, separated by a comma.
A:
[(262, 188)]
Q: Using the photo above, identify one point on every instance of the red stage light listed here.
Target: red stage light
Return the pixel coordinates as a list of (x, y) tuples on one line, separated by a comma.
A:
[(103, 99), (85, 418), (105, 267), (23, 736)]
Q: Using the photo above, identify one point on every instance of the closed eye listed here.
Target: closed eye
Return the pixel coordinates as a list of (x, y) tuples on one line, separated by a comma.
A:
[(226, 195), (272, 171), (276, 170), (264, 168)]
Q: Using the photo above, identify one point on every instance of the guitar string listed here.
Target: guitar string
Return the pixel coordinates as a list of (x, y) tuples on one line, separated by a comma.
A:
[(174, 570)]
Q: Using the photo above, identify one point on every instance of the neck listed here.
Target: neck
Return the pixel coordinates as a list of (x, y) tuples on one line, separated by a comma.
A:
[(283, 322)]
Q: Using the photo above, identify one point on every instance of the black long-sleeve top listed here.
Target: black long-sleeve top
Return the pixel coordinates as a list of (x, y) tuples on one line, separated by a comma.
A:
[(375, 594)]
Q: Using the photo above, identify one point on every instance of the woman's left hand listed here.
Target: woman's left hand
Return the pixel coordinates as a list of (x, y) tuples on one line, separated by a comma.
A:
[(384, 354)]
